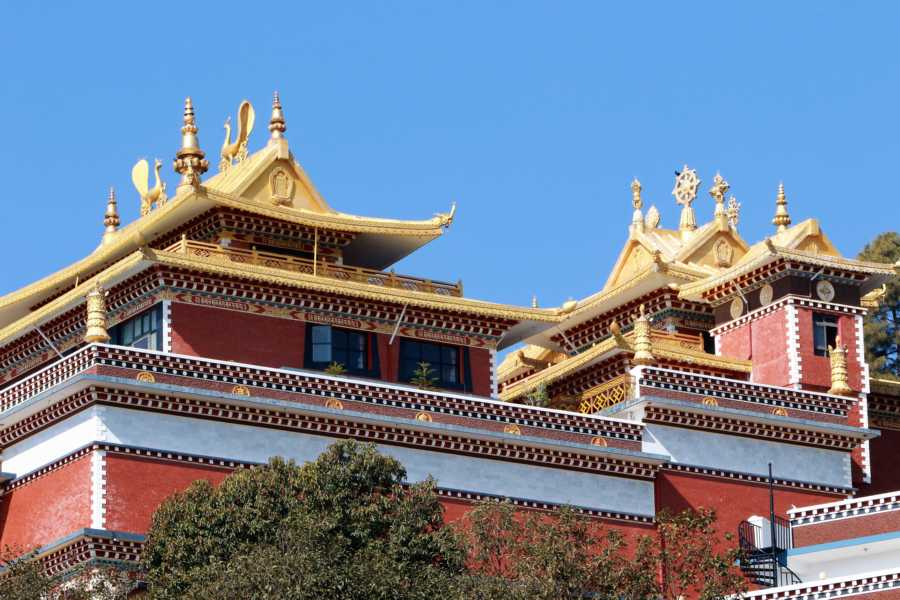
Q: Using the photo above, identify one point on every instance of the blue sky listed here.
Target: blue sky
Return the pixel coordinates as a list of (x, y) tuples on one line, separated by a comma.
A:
[(533, 116)]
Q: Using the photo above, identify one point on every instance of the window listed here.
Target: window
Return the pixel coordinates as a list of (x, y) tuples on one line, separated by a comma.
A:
[(329, 344), (824, 333), (140, 331), (443, 360)]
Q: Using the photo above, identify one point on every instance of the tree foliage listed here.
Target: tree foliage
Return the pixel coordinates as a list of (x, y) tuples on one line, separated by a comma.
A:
[(344, 527), (882, 326)]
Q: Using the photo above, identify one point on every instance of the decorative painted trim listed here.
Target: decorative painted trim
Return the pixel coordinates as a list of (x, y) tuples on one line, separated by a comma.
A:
[(792, 332), (261, 380), (733, 426), (495, 391), (27, 478), (167, 325), (768, 396), (98, 489), (844, 509), (863, 405), (92, 547), (760, 479), (838, 587)]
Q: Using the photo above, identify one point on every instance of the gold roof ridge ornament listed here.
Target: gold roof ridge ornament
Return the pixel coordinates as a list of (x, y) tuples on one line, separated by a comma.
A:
[(685, 192), (733, 212), (277, 124), (782, 219), (643, 343), (446, 219), (96, 322), (637, 217), (111, 218), (237, 149), (838, 358), (651, 221), (140, 177), (189, 160), (718, 190)]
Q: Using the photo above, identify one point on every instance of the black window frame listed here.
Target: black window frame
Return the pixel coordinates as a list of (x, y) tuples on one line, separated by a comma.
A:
[(150, 324), (341, 348), (825, 332), (413, 352)]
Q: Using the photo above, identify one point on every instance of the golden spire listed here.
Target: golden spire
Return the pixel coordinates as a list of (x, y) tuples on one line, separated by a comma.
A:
[(637, 218), (189, 161), (534, 301), (718, 190), (277, 124), (838, 356), (96, 316), (643, 343), (111, 217), (782, 218)]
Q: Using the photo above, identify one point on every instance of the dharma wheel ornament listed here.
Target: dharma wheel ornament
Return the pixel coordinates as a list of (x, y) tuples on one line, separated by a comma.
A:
[(643, 343), (96, 316), (838, 356), (685, 192)]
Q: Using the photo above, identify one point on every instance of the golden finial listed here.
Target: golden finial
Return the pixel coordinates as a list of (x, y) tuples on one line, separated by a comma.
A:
[(534, 302), (651, 221), (189, 161), (637, 218), (96, 316), (718, 190), (782, 218), (838, 356), (277, 124), (686, 184), (643, 343), (111, 217), (733, 212)]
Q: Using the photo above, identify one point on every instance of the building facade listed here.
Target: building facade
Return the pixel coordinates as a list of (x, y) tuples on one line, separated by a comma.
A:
[(243, 318)]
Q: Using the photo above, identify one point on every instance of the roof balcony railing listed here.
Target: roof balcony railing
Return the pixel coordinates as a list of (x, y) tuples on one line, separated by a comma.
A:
[(319, 268)]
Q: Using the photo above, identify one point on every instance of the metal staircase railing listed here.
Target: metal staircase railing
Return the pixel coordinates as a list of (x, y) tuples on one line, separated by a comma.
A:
[(766, 566)]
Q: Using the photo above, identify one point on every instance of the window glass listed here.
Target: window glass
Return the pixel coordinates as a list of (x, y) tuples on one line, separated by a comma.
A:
[(443, 360), (824, 333), (140, 331), (343, 346)]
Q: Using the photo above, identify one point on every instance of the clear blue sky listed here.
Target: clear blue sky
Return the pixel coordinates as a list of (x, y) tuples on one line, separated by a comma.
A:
[(533, 116)]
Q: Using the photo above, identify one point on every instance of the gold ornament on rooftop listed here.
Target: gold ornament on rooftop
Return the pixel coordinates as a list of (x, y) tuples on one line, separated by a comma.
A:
[(111, 219), (277, 125), (189, 160), (838, 356), (637, 219), (718, 190), (140, 177), (685, 192), (643, 343), (782, 219), (733, 212), (651, 221), (237, 149), (96, 316)]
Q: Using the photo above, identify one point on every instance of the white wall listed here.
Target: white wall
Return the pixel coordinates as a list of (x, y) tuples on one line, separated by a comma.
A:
[(256, 444), (748, 455)]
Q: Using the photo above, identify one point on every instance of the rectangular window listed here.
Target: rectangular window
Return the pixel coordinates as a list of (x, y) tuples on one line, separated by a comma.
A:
[(140, 331), (825, 328), (444, 362), (329, 344)]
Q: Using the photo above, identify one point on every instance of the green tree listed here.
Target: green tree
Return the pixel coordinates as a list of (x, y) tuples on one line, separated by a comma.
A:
[(423, 377), (342, 526), (881, 326)]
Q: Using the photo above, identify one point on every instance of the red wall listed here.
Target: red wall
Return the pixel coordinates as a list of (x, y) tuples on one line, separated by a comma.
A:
[(135, 486), (816, 370), (235, 336), (275, 342), (732, 500), (48, 507), (764, 341), (884, 452), (846, 529)]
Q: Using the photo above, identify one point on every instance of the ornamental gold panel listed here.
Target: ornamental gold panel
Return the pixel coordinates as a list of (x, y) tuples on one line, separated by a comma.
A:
[(607, 394)]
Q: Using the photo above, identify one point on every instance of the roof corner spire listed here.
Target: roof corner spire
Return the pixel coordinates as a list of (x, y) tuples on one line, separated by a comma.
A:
[(782, 218), (111, 216), (637, 218), (277, 124), (189, 160)]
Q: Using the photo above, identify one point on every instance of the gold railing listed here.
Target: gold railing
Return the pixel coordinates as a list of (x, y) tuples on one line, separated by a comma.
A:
[(320, 269), (606, 394)]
